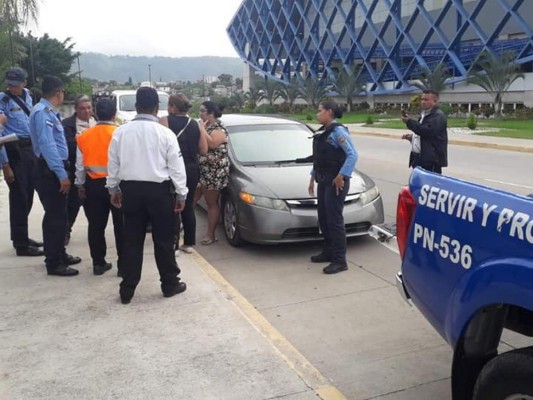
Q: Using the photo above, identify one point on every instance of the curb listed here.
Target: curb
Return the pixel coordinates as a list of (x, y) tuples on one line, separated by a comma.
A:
[(497, 146), (296, 361)]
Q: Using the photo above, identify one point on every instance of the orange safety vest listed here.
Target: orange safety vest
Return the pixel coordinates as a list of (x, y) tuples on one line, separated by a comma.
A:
[(94, 145)]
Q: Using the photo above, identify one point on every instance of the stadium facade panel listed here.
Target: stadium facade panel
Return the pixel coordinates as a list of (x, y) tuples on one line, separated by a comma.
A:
[(391, 39)]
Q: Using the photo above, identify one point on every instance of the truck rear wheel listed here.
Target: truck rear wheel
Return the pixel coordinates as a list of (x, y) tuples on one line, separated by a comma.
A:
[(508, 376)]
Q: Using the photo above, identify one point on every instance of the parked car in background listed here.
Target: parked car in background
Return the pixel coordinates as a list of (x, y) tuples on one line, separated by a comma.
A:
[(125, 101), (267, 200)]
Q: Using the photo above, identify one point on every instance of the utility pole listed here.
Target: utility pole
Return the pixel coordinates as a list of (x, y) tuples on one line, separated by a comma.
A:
[(150, 73), (31, 60), (79, 74)]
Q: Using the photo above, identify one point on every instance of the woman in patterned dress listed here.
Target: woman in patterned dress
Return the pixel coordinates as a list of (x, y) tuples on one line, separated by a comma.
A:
[(214, 167)]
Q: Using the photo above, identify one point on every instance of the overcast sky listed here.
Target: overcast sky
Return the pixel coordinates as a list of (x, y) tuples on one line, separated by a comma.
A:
[(179, 28)]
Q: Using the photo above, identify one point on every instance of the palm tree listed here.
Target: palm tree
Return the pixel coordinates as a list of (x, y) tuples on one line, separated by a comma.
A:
[(349, 84), (495, 74), (269, 90), (238, 100), (312, 91), (290, 92), (433, 79), (15, 12), (253, 96)]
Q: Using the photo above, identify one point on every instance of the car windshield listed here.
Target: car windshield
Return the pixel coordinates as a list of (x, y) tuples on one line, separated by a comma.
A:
[(270, 143), (127, 102)]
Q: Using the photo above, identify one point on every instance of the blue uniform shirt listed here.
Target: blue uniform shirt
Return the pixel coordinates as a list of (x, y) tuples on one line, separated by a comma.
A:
[(340, 139), (48, 137), (17, 120)]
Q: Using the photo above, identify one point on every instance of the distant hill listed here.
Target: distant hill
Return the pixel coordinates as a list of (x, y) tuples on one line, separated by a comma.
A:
[(121, 68)]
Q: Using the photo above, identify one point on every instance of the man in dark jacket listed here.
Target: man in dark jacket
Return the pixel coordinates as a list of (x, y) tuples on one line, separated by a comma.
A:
[(429, 140), (78, 122)]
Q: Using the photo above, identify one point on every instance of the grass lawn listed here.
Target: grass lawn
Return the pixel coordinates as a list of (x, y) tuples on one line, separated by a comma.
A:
[(521, 129)]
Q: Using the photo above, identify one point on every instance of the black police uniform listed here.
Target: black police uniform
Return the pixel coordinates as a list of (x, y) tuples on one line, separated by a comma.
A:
[(327, 162)]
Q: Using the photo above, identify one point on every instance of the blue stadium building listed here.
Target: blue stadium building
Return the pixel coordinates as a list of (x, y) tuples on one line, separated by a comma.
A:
[(390, 39)]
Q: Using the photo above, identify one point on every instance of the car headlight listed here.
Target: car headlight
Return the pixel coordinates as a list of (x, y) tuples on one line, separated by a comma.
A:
[(266, 202), (370, 195)]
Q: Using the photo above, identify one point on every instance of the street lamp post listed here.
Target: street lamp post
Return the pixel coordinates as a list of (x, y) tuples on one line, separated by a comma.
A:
[(150, 73)]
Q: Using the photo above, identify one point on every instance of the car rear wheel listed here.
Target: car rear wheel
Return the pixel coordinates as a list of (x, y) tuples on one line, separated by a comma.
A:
[(231, 226), (507, 377)]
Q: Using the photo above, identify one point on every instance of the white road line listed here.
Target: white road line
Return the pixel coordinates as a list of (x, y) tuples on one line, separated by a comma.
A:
[(510, 184)]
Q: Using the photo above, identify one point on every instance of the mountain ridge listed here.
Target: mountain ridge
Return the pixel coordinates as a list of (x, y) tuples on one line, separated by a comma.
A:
[(121, 67)]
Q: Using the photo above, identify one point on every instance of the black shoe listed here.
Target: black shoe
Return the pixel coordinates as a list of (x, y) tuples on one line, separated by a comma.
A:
[(320, 258), (67, 239), (101, 269), (29, 251), (333, 268), (62, 270), (35, 243), (180, 288), (125, 296), (71, 260)]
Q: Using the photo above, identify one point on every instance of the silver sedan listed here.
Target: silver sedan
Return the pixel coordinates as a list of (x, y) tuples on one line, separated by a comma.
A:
[(267, 201)]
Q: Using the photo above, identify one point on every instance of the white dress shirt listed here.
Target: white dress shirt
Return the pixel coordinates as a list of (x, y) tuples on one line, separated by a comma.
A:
[(144, 150)]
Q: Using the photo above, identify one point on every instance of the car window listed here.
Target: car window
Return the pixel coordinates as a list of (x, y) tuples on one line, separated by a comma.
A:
[(127, 102), (163, 101), (270, 143)]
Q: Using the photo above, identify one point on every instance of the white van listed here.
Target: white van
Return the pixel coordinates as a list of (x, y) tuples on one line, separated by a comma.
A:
[(125, 101)]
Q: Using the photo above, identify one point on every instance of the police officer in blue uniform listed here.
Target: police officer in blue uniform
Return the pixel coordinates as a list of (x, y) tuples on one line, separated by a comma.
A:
[(51, 178), (334, 159), (17, 160)]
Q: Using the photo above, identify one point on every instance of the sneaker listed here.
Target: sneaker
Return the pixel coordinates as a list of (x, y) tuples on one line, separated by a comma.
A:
[(186, 249), (334, 268)]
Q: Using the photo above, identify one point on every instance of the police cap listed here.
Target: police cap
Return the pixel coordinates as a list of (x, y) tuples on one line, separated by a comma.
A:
[(15, 76)]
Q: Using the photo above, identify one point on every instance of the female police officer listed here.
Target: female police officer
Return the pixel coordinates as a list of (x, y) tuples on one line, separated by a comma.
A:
[(334, 159)]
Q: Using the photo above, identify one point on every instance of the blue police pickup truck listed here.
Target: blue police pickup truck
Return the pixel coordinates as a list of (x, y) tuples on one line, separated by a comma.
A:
[(467, 265)]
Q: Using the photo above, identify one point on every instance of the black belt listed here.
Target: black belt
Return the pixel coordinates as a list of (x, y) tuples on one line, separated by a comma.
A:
[(24, 142)]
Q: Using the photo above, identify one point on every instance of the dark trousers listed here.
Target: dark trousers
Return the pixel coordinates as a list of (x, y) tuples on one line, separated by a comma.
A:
[(187, 216), (55, 215), (415, 161), (97, 208), (330, 218), (144, 202), (73, 205), (21, 194)]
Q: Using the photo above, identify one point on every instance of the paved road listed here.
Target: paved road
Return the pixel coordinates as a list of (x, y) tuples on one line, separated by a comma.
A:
[(66, 339), (353, 326)]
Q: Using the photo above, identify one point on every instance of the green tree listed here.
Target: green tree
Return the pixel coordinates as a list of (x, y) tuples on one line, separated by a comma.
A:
[(495, 73), (50, 57), (433, 79), (268, 89), (238, 100), (225, 79), (13, 13), (253, 96), (349, 84), (290, 92), (312, 91)]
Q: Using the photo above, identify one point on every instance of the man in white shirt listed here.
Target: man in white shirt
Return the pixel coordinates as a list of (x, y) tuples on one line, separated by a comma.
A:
[(147, 179)]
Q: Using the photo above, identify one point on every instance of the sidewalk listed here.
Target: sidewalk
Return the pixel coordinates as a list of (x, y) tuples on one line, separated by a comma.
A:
[(71, 338), (455, 137)]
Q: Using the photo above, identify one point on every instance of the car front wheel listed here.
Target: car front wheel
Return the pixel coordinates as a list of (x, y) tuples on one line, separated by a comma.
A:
[(231, 226)]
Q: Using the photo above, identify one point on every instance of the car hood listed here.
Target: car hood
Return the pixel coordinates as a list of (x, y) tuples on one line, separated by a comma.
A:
[(290, 181)]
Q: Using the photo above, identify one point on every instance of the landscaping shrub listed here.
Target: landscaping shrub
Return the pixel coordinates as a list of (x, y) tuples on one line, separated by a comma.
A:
[(471, 122)]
